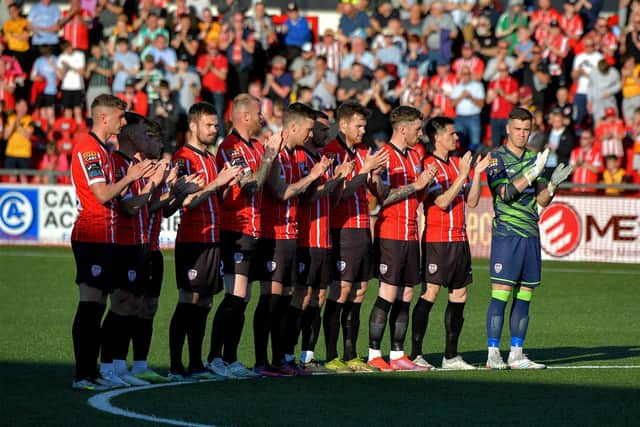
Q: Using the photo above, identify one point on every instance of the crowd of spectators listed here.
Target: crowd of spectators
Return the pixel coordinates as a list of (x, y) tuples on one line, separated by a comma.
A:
[(575, 69)]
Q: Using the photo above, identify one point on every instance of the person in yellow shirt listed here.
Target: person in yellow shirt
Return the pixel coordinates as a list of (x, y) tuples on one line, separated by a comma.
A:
[(630, 87), (17, 36), (613, 174), (18, 133)]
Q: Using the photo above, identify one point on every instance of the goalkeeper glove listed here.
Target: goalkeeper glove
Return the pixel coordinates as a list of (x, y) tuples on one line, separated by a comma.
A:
[(537, 167), (559, 175)]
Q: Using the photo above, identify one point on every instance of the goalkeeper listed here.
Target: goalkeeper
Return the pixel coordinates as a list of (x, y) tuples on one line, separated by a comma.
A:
[(517, 189)]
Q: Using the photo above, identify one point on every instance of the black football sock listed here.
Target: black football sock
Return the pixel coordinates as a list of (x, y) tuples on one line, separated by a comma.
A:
[(310, 325), (291, 326), (331, 326), (220, 327), (350, 329), (195, 334), (401, 324), (453, 321), (377, 322), (141, 338), (177, 335), (85, 333), (278, 342), (232, 341), (419, 322), (261, 326)]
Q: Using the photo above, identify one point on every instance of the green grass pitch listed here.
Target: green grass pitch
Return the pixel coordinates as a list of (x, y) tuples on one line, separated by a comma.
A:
[(585, 314)]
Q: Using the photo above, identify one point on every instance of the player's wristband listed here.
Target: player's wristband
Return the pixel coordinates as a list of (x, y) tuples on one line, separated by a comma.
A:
[(551, 188), (531, 175)]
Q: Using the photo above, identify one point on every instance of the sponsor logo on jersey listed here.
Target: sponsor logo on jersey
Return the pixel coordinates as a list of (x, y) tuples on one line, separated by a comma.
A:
[(90, 156)]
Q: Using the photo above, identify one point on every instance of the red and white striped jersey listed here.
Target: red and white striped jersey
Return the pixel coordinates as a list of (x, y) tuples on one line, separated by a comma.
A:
[(280, 217), (76, 31), (542, 18), (241, 212), (131, 229), (333, 53), (572, 26), (444, 225), (581, 175), (399, 220), (561, 44), (202, 223), (475, 64), (313, 216), (354, 211), (91, 164)]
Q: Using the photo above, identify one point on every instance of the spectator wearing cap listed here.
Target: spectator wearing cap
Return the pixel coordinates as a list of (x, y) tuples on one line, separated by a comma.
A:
[(470, 60), (438, 29), (323, 82), (583, 66), (513, 18), (441, 87), (359, 53), (413, 23), (16, 36), (278, 81), (185, 39), (303, 64), (571, 23), (148, 78), (525, 99), (502, 96), (126, 64), (262, 26), (383, 14), (164, 56), (555, 50), (136, 100), (354, 86), (389, 53), (541, 20), (213, 67), (468, 99), (70, 69), (166, 112), (240, 45), (108, 12), (604, 86), (352, 19), (187, 86), (492, 68), (297, 31), (610, 131), (560, 141), (44, 21), (99, 71), (587, 163), (630, 87), (330, 48), (148, 33)]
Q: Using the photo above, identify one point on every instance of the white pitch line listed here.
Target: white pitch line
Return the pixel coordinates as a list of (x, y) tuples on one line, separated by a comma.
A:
[(595, 367), (102, 402)]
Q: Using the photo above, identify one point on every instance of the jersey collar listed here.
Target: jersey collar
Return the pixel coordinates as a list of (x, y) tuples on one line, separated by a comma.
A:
[(197, 150), (125, 156), (106, 148), (403, 154), (315, 156), (344, 145), (248, 142)]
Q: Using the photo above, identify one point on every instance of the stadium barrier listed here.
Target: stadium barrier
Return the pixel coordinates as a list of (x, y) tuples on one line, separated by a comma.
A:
[(573, 228)]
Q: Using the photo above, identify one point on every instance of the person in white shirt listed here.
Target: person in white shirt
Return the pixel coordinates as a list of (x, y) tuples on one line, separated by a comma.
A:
[(468, 99), (583, 64), (70, 69)]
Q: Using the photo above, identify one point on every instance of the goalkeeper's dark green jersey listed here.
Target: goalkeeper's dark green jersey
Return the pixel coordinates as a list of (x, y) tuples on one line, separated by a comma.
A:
[(520, 215)]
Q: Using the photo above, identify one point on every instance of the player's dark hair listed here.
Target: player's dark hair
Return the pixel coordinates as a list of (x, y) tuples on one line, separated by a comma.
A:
[(108, 101), (200, 109), (296, 112), (433, 127), (519, 113), (348, 109), (404, 114)]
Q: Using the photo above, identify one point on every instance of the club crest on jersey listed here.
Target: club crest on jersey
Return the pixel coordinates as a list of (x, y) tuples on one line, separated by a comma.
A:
[(271, 266), (238, 257), (384, 268), (96, 270), (432, 268), (90, 156), (497, 267), (341, 265), (131, 275), (301, 267), (192, 274)]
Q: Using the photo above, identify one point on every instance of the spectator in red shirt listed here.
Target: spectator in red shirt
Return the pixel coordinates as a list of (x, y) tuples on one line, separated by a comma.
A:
[(502, 95), (74, 26), (586, 162), (213, 66), (471, 60), (135, 99), (610, 132), (571, 23)]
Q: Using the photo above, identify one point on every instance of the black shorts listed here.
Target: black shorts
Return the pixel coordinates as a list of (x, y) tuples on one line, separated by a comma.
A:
[(94, 264), (397, 262), (72, 98), (238, 251), (132, 268), (17, 162), (447, 264), (351, 254), (199, 268), (276, 261), (156, 273), (314, 267), (46, 100)]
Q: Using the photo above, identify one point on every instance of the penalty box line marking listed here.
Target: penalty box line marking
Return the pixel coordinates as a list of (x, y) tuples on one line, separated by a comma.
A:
[(102, 401)]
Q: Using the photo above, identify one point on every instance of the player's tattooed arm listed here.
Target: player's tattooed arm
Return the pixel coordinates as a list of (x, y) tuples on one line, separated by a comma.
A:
[(373, 162), (404, 192), (251, 183), (225, 176), (284, 191)]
